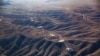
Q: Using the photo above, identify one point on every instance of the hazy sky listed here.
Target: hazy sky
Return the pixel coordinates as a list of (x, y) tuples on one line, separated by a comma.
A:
[(53, 2), (50, 4)]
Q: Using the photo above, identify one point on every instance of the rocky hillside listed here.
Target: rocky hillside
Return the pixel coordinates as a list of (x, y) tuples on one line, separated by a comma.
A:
[(51, 33)]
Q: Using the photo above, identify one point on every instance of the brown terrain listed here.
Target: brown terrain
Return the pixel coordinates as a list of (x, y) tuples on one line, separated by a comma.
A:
[(51, 32)]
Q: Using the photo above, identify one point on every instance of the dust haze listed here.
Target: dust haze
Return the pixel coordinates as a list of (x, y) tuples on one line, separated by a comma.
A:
[(50, 4)]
